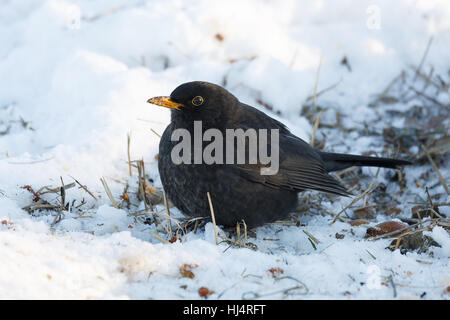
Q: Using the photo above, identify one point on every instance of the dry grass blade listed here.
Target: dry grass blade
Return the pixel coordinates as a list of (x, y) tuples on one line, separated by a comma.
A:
[(156, 236), (84, 188), (108, 193), (369, 189), (128, 153), (141, 181), (317, 83), (435, 167), (423, 58), (318, 94), (63, 193), (316, 125), (156, 133), (212, 216), (166, 203), (316, 241), (55, 190), (104, 13)]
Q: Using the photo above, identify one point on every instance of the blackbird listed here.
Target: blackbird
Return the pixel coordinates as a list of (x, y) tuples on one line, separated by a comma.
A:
[(239, 191)]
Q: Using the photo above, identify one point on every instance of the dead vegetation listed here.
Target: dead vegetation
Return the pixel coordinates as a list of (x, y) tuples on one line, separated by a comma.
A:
[(420, 98)]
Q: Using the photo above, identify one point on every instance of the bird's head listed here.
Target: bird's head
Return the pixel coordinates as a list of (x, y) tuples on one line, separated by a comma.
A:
[(197, 100)]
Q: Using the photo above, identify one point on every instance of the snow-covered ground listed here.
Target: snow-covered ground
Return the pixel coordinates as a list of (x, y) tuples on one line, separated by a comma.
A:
[(75, 77)]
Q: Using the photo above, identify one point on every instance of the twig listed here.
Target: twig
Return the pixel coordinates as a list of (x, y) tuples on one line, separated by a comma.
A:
[(318, 94), (427, 97), (311, 236), (84, 188), (212, 216), (402, 230), (156, 133), (369, 189), (108, 193), (103, 13), (441, 178), (55, 190), (166, 203), (156, 236), (423, 57)]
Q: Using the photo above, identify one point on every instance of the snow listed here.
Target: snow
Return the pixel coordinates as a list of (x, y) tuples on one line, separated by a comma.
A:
[(76, 76)]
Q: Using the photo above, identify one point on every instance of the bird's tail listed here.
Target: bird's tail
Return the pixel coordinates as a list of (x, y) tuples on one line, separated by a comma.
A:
[(338, 161)]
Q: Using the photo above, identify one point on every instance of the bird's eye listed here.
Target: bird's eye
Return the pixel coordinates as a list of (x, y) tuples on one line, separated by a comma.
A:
[(198, 100)]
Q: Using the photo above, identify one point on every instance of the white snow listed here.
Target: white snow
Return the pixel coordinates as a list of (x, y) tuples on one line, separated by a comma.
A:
[(75, 78)]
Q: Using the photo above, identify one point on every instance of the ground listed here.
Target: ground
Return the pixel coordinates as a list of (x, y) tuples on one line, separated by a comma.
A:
[(371, 76)]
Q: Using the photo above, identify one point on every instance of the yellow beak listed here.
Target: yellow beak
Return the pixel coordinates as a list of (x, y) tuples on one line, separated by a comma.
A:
[(165, 102)]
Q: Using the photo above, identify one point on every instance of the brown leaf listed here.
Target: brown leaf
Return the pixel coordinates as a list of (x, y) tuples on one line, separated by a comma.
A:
[(153, 194), (339, 235), (384, 227), (185, 270), (174, 239), (276, 272), (30, 189), (219, 37), (392, 210), (205, 292), (364, 213)]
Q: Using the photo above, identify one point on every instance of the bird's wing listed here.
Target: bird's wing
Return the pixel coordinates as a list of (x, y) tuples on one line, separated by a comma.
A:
[(295, 174), (300, 168)]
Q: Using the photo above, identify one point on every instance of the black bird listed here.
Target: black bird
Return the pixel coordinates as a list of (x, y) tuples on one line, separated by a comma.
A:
[(239, 191)]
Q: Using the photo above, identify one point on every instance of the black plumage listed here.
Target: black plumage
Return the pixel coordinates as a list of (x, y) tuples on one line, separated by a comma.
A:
[(239, 191)]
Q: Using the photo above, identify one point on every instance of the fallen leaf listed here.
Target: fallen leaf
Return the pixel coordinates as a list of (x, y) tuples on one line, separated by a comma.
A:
[(174, 239), (186, 270), (219, 36), (392, 210), (385, 227), (364, 213), (276, 272), (205, 292)]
